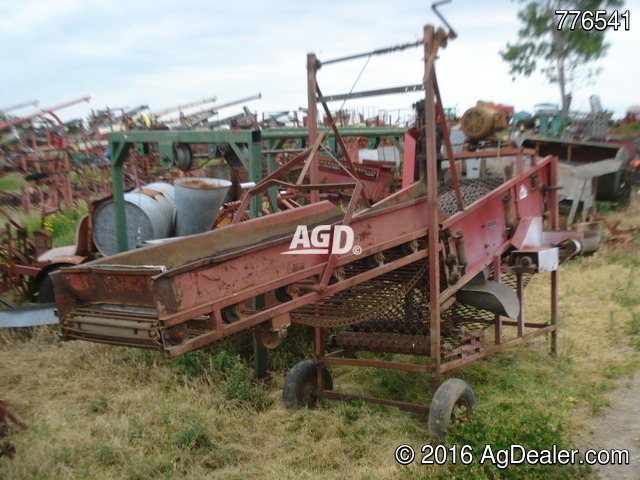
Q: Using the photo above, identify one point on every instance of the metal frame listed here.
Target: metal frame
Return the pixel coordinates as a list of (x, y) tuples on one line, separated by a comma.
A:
[(180, 306), (432, 41), (122, 142)]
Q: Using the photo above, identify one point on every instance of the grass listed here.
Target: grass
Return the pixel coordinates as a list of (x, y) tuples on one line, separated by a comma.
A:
[(626, 131), (11, 182), (96, 411), (61, 224)]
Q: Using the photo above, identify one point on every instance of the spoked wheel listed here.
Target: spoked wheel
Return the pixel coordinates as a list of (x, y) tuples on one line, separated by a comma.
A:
[(301, 385), (10, 281), (453, 400)]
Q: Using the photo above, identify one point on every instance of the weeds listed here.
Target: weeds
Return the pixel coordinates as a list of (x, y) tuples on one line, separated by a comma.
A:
[(62, 225), (228, 370), (193, 437), (97, 411), (498, 430), (100, 404)]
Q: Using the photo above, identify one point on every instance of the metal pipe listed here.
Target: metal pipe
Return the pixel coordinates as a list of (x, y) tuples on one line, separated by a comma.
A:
[(380, 51), (44, 111), (18, 106), (209, 112), (312, 121), (431, 180), (371, 93), (186, 105), (434, 7)]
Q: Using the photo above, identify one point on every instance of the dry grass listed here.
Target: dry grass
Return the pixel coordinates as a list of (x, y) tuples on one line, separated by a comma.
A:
[(96, 411)]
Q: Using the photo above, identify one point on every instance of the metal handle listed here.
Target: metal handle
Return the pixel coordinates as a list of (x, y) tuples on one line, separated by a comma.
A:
[(452, 33)]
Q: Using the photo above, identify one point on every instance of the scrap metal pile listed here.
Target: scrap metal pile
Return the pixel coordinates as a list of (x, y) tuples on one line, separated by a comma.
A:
[(69, 165), (65, 163)]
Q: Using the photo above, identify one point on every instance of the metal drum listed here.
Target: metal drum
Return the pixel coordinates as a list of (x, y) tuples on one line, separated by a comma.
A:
[(198, 200), (150, 214)]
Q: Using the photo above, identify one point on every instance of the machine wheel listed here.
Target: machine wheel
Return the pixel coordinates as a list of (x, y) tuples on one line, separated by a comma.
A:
[(45, 286), (230, 314), (454, 398), (283, 294), (374, 261), (300, 385), (268, 338), (45, 292)]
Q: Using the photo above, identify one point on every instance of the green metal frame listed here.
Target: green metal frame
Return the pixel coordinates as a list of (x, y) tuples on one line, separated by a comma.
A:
[(120, 144), (276, 137)]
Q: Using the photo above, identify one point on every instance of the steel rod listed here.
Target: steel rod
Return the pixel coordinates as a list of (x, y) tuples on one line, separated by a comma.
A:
[(371, 93), (379, 51), (410, 407), (360, 362)]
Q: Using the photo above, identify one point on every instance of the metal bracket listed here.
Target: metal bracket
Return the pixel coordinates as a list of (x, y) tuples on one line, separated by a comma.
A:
[(434, 6)]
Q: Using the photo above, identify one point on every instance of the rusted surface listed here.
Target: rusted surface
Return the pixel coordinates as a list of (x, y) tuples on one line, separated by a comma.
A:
[(201, 184), (416, 249), (7, 448), (203, 274), (383, 342)]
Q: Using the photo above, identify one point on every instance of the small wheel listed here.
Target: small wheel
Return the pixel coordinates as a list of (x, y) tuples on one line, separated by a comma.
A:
[(45, 292), (374, 261), (45, 288), (268, 338), (301, 384), (283, 294), (453, 399), (409, 247), (230, 314)]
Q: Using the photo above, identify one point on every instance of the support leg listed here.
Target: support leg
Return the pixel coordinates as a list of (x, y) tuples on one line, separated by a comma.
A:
[(554, 313)]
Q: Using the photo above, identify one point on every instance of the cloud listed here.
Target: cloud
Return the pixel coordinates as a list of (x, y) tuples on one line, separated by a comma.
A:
[(166, 53)]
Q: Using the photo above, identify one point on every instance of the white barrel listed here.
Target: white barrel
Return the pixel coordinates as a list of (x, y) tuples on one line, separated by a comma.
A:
[(150, 214), (198, 200)]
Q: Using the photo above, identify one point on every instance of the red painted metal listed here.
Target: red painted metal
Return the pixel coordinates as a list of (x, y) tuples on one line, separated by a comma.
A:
[(191, 292)]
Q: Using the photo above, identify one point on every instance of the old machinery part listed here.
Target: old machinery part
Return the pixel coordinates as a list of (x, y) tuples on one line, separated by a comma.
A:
[(535, 260), (176, 334), (483, 120), (374, 261), (150, 213), (7, 448), (301, 385), (409, 248), (28, 316), (591, 236), (568, 248), (182, 157), (268, 337), (198, 200), (383, 342), (231, 314), (362, 302), (453, 399), (491, 296), (471, 189), (283, 294)]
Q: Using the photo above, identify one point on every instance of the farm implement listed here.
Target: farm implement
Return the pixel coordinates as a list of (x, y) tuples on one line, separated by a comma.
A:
[(424, 271)]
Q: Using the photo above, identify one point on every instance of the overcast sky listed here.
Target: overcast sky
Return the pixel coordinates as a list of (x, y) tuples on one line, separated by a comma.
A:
[(166, 53)]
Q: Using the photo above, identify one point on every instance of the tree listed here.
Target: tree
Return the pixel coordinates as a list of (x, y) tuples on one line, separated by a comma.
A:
[(565, 56)]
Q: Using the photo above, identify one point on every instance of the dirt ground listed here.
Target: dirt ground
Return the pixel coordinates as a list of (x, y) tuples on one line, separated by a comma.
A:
[(618, 428)]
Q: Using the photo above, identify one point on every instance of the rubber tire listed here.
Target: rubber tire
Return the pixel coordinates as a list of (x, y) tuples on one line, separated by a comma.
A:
[(282, 295), (45, 290), (300, 385), (450, 393)]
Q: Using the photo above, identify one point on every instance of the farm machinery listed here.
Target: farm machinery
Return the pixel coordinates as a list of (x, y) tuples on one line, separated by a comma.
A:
[(423, 272)]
